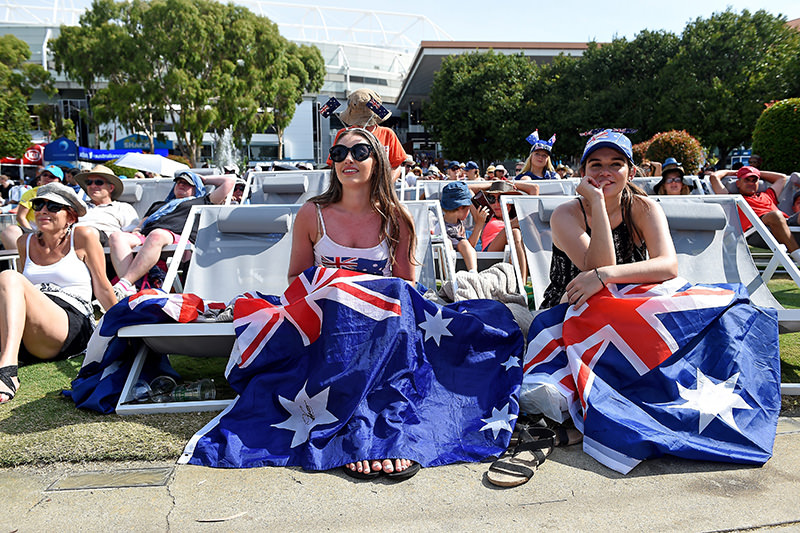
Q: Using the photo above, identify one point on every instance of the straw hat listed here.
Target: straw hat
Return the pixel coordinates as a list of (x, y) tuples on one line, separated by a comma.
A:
[(357, 112), (103, 172)]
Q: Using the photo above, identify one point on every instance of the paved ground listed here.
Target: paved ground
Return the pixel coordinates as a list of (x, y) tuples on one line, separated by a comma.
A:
[(570, 492)]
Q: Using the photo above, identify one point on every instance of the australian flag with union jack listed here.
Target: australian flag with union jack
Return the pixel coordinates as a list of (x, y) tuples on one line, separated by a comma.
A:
[(349, 366), (646, 370)]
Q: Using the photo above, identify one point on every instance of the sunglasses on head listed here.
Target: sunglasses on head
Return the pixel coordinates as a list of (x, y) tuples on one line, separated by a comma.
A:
[(360, 152), (54, 207), (98, 182)]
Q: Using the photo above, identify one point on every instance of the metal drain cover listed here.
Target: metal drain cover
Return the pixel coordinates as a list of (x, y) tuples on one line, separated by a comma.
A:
[(114, 479)]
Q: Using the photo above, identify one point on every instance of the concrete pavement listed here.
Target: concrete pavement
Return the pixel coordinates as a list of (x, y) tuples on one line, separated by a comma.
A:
[(570, 492)]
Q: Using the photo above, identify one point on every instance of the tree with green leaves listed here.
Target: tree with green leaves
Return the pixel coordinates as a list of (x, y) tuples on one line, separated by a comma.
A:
[(727, 67), (18, 79), (198, 64), (776, 137), (476, 106)]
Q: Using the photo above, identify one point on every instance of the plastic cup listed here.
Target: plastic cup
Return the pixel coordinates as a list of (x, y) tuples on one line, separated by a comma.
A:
[(198, 390), (161, 389)]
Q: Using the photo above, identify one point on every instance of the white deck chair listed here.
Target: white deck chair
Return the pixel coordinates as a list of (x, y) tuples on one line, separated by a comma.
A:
[(423, 212), (238, 249), (288, 187)]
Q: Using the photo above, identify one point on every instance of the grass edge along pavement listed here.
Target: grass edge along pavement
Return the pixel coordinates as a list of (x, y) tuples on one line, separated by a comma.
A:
[(40, 426)]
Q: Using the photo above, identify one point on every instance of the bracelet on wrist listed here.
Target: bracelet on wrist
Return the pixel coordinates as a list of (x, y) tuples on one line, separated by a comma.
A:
[(596, 273)]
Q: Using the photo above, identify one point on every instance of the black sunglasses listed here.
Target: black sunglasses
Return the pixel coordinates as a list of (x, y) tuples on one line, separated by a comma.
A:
[(360, 152), (99, 183), (492, 198), (54, 207)]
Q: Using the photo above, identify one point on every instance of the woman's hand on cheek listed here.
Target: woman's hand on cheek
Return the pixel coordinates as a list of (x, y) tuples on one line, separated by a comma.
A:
[(584, 286), (589, 188)]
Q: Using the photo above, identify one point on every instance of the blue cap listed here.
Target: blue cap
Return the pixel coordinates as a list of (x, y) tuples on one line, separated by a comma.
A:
[(453, 164), (471, 165), (55, 171), (608, 139), (454, 195)]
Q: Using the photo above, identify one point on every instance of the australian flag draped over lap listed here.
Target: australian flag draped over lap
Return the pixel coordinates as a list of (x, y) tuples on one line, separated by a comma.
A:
[(349, 366), (646, 370), (109, 358)]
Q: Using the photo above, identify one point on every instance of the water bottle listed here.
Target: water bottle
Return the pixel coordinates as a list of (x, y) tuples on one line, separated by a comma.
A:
[(198, 390)]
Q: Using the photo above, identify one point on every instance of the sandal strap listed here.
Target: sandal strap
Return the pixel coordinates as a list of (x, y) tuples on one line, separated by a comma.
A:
[(503, 467), (6, 373), (535, 439)]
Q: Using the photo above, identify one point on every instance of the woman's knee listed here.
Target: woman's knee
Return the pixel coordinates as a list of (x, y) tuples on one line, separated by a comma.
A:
[(11, 278)]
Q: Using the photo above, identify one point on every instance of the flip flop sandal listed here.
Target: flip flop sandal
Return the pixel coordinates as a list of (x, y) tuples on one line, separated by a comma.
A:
[(6, 374), (405, 474), (361, 475), (517, 468)]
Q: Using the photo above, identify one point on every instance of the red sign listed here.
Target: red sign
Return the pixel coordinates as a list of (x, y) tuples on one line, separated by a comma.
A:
[(34, 155)]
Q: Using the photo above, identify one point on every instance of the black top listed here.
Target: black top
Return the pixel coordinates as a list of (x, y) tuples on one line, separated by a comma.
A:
[(175, 220), (562, 270)]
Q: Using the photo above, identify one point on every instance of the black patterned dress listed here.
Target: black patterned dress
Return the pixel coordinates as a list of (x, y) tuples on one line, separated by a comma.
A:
[(563, 270)]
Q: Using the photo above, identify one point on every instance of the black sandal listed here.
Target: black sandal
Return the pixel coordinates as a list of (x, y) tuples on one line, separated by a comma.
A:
[(400, 475), (6, 375), (517, 468)]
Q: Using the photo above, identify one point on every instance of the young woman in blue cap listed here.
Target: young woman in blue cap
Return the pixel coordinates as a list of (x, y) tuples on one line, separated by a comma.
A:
[(611, 233)]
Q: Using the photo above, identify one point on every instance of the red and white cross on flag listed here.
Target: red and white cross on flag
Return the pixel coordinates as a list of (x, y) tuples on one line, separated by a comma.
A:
[(632, 321), (300, 308)]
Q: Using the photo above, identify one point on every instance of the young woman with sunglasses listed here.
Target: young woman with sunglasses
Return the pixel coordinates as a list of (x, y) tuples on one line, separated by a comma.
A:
[(45, 310), (358, 216)]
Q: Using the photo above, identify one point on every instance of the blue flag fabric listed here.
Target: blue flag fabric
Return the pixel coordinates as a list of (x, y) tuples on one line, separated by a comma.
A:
[(647, 370), (109, 358), (349, 366)]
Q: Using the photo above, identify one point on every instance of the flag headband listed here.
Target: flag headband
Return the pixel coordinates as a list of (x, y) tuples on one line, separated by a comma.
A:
[(540, 144)]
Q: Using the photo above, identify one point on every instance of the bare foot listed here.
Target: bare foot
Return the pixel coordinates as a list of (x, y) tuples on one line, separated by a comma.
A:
[(397, 466), (365, 467), (7, 393)]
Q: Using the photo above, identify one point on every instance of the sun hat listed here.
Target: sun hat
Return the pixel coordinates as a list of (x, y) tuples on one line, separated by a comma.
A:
[(502, 187), (490, 169), (608, 139), (357, 112), (54, 170), (747, 171), (672, 165), (104, 172), (63, 195), (500, 167), (454, 195)]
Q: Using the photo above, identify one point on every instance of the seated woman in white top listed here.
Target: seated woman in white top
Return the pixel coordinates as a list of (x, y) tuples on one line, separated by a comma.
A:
[(45, 311), (358, 224)]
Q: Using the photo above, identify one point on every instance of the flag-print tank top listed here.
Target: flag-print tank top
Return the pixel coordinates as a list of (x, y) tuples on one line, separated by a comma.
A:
[(328, 253)]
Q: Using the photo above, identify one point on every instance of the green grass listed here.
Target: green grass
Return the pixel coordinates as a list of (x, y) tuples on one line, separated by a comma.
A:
[(41, 426)]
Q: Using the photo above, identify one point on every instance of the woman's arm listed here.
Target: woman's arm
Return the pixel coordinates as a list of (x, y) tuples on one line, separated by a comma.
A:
[(304, 234), (89, 250), (661, 265), (22, 250), (572, 238), (479, 217), (403, 268)]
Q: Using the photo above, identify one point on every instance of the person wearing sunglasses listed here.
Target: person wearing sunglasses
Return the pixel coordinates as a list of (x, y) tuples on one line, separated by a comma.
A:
[(106, 214), (359, 115), (25, 216), (764, 204), (45, 310), (672, 179), (162, 226), (358, 224)]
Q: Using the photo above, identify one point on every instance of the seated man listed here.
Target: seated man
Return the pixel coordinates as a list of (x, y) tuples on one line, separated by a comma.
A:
[(162, 225), (763, 203), (106, 215)]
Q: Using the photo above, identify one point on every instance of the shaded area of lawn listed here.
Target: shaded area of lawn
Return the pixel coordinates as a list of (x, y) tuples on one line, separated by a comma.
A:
[(41, 426)]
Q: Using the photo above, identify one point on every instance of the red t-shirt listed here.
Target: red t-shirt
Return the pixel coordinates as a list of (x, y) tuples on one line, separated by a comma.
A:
[(389, 141), (762, 203)]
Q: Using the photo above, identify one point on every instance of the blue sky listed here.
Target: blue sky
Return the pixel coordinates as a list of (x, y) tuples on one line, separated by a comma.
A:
[(566, 20)]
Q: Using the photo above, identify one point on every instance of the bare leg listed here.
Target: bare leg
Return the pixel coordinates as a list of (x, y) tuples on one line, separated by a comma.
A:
[(121, 246), (146, 258), (9, 237), (777, 225), (27, 315)]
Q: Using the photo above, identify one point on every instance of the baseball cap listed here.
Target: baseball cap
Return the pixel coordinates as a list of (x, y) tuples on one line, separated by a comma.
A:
[(608, 139), (747, 171), (454, 195), (55, 171), (453, 164), (471, 165)]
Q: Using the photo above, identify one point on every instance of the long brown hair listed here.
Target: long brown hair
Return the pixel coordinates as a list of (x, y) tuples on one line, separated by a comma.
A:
[(382, 195)]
